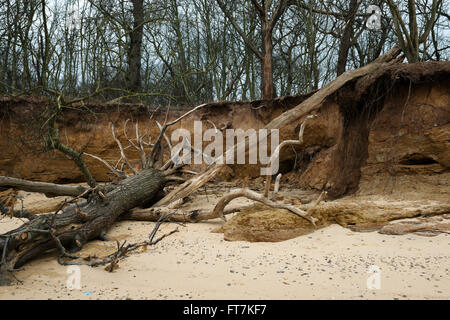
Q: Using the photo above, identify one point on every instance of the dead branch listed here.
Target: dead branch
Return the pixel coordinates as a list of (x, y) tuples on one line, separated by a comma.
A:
[(319, 199), (118, 173), (122, 153), (190, 185), (49, 189), (151, 158), (176, 215), (121, 253), (21, 214), (169, 144), (267, 185), (277, 184), (221, 204), (175, 204), (175, 178), (175, 162), (139, 146)]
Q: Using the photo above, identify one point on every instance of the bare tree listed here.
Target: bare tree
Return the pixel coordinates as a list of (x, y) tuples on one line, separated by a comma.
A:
[(408, 35), (268, 19), (133, 77)]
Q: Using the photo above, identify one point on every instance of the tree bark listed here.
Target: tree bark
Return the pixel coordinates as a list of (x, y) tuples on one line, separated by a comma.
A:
[(347, 38), (175, 215), (133, 77), (80, 222), (267, 67)]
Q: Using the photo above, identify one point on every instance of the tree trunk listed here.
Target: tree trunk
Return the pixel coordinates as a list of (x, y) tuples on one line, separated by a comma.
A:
[(267, 72), (79, 222), (133, 77), (347, 38), (413, 32)]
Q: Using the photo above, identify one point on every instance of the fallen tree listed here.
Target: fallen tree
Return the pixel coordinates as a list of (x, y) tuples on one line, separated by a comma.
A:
[(79, 220), (69, 228), (287, 118)]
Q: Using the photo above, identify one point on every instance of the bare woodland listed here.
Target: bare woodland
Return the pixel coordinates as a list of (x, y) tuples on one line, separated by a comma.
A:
[(186, 53)]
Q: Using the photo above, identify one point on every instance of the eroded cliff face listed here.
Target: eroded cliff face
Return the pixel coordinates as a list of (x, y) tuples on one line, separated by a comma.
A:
[(88, 128), (393, 141), (409, 142), (409, 136), (385, 133)]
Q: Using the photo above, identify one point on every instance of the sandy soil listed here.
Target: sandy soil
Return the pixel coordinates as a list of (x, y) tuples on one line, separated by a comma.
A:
[(194, 263)]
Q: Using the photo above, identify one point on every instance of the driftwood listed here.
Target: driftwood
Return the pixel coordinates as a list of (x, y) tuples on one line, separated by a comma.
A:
[(219, 211), (373, 214), (430, 226), (252, 195)]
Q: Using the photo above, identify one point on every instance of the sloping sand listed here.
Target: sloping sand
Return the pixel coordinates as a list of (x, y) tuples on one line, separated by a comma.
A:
[(194, 263)]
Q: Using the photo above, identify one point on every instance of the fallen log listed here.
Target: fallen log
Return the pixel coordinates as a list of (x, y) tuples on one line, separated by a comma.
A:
[(79, 222)]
